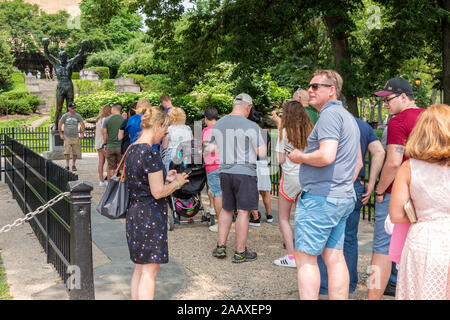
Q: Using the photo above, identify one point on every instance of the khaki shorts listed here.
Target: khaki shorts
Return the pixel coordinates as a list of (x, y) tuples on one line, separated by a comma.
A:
[(72, 143), (113, 157)]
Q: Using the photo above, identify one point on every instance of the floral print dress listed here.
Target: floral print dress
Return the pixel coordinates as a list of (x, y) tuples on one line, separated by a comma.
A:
[(146, 219)]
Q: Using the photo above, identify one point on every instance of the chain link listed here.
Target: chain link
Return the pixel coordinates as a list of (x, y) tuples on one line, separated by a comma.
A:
[(31, 215)]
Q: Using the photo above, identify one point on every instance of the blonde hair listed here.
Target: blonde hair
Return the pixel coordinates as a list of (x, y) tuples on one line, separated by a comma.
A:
[(177, 116), (142, 105), (336, 79), (153, 116), (104, 112), (430, 139)]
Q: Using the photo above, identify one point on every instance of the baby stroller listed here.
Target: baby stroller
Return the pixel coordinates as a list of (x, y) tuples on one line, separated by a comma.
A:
[(186, 202)]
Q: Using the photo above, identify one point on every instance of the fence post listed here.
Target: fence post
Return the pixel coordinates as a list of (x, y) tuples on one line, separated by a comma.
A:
[(81, 241)]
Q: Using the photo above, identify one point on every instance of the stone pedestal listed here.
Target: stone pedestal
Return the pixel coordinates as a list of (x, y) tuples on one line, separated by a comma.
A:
[(56, 145), (89, 74), (126, 85)]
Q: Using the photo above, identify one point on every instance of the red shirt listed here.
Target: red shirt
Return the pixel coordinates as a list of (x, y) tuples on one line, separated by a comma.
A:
[(399, 129)]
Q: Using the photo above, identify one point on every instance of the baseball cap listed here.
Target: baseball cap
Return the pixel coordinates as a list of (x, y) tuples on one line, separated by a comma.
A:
[(72, 105), (395, 85), (243, 97)]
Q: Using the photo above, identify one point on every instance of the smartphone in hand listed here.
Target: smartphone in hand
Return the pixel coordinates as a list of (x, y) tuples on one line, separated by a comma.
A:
[(288, 149)]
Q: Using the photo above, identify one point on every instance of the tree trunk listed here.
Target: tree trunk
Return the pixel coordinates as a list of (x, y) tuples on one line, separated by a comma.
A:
[(445, 4), (339, 44)]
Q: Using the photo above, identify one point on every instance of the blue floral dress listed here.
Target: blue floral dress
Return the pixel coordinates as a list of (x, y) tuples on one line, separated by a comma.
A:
[(146, 219)]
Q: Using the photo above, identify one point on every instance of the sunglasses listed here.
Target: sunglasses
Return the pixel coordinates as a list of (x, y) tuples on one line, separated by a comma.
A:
[(316, 86)]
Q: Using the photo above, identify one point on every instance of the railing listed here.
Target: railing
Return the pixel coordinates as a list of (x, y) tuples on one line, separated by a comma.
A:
[(37, 139), (63, 230)]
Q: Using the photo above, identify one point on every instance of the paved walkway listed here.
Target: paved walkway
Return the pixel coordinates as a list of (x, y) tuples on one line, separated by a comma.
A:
[(192, 272)]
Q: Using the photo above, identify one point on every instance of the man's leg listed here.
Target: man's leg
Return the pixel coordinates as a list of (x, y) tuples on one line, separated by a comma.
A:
[(242, 221), (380, 267), (74, 159), (67, 160), (225, 221), (308, 275), (380, 271), (338, 277)]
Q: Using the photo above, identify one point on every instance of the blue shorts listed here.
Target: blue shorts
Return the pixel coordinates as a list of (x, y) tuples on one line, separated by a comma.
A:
[(381, 239), (320, 222), (214, 183)]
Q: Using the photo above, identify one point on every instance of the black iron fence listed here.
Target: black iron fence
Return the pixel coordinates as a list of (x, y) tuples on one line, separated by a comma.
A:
[(37, 139), (63, 230)]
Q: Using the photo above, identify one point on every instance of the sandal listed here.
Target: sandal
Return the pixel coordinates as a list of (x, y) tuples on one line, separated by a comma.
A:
[(74, 168), (67, 167)]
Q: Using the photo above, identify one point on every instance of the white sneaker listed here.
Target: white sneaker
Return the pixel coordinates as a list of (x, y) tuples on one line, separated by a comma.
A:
[(214, 228), (211, 211), (285, 262)]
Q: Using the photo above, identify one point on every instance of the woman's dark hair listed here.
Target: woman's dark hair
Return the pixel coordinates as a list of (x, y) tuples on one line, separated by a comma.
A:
[(297, 124), (133, 109)]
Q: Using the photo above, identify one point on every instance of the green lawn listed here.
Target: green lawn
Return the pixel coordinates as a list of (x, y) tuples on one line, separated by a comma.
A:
[(14, 123), (4, 288)]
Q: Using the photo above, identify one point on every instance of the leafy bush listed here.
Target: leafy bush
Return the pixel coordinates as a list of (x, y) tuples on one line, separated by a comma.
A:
[(6, 65), (142, 62), (75, 76), (18, 101), (89, 106), (157, 83), (108, 85), (108, 58), (83, 87), (103, 72)]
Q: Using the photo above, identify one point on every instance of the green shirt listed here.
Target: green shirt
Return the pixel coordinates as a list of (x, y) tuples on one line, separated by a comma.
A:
[(312, 114), (112, 125)]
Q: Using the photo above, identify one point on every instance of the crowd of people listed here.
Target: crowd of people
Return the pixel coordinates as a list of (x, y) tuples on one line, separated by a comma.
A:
[(321, 147)]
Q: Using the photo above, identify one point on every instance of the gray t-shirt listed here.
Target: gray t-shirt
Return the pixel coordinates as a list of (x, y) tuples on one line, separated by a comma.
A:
[(70, 122), (335, 179), (237, 139)]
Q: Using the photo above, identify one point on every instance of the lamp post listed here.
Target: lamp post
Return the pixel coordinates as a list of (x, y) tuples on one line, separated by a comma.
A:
[(418, 82)]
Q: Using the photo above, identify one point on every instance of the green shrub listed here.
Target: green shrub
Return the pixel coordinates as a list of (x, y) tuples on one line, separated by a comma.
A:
[(142, 62), (6, 65), (108, 58), (83, 87), (89, 106), (75, 76), (108, 85), (157, 83), (103, 72), (18, 102)]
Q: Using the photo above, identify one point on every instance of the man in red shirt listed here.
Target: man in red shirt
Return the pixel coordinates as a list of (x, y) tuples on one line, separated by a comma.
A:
[(399, 100)]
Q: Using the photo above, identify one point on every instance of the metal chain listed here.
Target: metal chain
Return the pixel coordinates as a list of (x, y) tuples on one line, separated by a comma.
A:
[(31, 215)]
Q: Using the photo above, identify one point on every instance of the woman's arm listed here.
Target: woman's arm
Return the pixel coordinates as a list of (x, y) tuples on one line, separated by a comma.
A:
[(281, 157), (160, 190), (400, 194)]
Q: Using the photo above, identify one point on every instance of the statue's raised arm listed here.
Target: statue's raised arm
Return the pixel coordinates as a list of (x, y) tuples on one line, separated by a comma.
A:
[(51, 58), (84, 45)]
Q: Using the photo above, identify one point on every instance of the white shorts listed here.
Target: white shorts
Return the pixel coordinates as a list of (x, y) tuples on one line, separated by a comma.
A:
[(290, 186), (263, 174)]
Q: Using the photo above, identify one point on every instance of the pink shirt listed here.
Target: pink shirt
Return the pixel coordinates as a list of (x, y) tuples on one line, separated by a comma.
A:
[(212, 160)]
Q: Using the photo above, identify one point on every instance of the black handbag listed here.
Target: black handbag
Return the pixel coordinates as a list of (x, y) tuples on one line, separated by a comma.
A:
[(114, 202)]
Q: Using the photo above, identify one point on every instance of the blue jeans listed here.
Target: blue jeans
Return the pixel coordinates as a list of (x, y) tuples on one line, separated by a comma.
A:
[(350, 245)]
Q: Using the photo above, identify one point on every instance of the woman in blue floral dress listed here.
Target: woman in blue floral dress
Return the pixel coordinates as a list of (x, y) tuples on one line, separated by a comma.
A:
[(146, 220)]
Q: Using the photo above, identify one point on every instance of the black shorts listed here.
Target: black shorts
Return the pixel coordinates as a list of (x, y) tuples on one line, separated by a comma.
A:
[(239, 192)]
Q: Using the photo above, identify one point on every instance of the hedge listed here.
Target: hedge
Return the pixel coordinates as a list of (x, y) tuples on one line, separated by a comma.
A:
[(103, 72)]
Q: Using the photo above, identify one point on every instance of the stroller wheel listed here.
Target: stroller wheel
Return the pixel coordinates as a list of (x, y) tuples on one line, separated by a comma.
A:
[(211, 221), (170, 222)]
